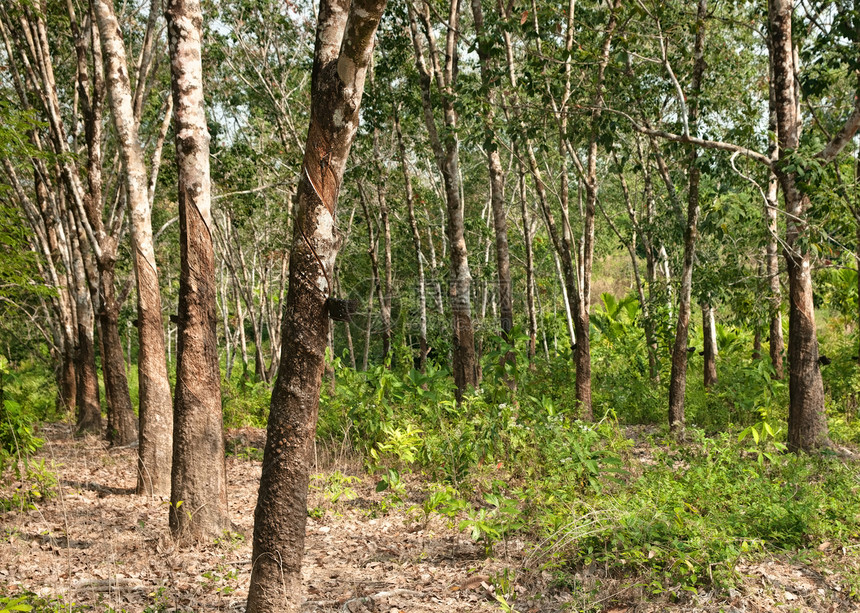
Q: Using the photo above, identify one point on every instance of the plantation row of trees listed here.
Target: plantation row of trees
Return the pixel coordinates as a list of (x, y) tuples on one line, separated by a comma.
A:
[(507, 157)]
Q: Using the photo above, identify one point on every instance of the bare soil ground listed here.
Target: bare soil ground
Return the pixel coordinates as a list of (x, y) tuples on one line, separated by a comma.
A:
[(97, 545)]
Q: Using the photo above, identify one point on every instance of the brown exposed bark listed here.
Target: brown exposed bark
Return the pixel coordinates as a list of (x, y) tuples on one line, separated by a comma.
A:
[(198, 498), (344, 46), (465, 363), (678, 379), (121, 423)]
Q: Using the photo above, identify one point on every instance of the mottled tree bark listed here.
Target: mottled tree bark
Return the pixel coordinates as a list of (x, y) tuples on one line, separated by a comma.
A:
[(771, 211), (344, 46), (198, 498), (155, 403), (87, 401)]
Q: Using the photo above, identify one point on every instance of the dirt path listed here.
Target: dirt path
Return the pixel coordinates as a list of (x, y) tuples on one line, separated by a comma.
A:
[(99, 544)]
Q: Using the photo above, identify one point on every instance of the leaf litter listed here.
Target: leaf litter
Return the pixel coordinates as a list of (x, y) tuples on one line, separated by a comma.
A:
[(97, 545)]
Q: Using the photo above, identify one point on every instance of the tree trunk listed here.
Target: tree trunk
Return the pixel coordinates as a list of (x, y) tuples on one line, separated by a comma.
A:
[(530, 265), (465, 364), (155, 402), (121, 423), (87, 400), (344, 46), (385, 302), (377, 282), (678, 378), (807, 426), (368, 326), (771, 210), (709, 340), (497, 196), (198, 498), (416, 243)]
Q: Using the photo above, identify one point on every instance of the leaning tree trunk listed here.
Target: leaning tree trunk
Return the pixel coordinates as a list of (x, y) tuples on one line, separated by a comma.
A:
[(198, 498), (344, 46), (155, 404), (678, 378)]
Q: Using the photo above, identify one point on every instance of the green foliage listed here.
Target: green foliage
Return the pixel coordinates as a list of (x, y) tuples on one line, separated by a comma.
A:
[(9, 605), (690, 516), (335, 486), (244, 402)]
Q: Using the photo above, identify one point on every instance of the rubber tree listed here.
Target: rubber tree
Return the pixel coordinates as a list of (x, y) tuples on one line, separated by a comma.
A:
[(198, 497), (442, 70), (342, 54), (156, 412)]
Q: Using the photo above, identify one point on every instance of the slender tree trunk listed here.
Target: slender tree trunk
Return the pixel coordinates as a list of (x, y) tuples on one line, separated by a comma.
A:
[(155, 402), (344, 46), (530, 265), (710, 346), (465, 364), (416, 243), (678, 380), (631, 245), (377, 282), (198, 498), (771, 210), (229, 338), (368, 326), (385, 298), (87, 400), (497, 196), (122, 425)]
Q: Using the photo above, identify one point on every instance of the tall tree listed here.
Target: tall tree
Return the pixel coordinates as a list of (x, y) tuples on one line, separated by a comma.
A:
[(678, 378), (155, 404), (198, 498), (446, 151), (342, 54), (497, 179)]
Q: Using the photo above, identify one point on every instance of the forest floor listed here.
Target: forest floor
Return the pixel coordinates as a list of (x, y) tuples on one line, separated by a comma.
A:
[(97, 545)]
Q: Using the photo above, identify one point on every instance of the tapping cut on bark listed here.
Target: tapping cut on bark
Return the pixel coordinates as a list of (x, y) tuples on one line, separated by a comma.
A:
[(198, 498), (344, 46)]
